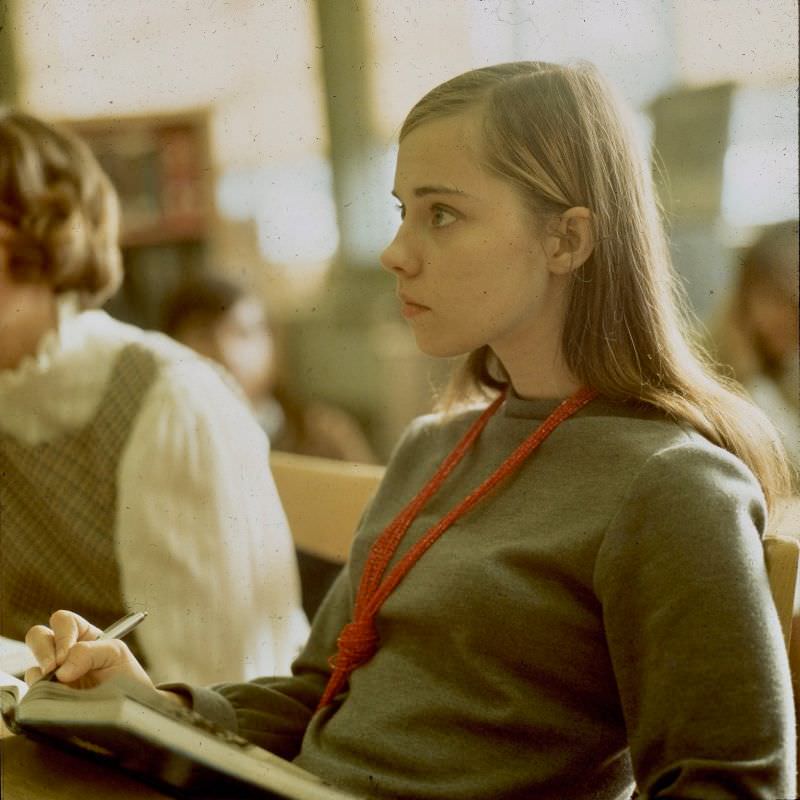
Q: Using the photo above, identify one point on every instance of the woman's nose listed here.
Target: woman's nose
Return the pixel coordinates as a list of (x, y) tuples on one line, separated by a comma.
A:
[(399, 256)]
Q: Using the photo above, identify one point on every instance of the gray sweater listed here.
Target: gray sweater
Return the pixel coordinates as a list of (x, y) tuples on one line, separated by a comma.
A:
[(603, 617)]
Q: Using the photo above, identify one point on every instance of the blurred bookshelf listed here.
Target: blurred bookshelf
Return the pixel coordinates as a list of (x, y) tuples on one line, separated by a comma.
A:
[(160, 166)]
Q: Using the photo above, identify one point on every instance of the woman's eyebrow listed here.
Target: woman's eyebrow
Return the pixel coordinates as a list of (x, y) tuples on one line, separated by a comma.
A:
[(422, 191)]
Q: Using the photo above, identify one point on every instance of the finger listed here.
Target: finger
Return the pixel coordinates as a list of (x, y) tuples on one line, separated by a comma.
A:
[(32, 675), (41, 642), (69, 628), (85, 657)]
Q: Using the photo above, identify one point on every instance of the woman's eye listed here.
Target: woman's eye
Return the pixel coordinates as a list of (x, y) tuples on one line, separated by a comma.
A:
[(401, 210), (440, 217)]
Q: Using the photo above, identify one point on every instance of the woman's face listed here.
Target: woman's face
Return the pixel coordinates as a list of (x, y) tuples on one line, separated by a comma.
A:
[(245, 347), (471, 268), (240, 340), (13, 293), (27, 309)]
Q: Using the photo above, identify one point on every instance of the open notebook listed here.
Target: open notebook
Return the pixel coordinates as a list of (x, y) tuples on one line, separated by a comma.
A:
[(15, 657), (136, 729)]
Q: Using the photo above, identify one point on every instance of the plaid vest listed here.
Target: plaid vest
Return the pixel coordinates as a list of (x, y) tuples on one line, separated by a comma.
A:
[(58, 505)]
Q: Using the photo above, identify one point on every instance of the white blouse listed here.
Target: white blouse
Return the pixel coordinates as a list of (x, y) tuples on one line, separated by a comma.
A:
[(202, 540)]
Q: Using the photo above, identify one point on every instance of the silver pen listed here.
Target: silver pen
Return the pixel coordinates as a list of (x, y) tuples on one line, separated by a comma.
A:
[(116, 630), (123, 626)]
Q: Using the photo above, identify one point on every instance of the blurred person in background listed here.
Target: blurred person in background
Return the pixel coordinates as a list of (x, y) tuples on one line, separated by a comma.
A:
[(756, 333), (221, 320), (133, 477), (218, 318)]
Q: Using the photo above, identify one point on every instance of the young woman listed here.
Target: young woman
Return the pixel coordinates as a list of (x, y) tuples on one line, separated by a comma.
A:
[(131, 476), (562, 592)]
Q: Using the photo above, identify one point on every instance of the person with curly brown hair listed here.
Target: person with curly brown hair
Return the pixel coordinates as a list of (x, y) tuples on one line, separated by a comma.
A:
[(132, 475)]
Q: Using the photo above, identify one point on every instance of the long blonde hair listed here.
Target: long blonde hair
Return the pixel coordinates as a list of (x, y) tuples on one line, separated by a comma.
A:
[(60, 209), (560, 136)]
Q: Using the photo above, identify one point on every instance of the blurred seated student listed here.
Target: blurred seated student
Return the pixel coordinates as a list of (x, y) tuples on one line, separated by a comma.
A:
[(215, 316), (132, 476), (756, 332), (559, 588), (218, 318)]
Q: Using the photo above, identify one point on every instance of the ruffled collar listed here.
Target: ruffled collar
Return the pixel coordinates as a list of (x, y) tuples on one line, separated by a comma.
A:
[(51, 345)]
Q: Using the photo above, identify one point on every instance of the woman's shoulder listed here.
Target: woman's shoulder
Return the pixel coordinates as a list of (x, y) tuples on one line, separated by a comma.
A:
[(638, 432), (668, 463), (624, 434), (438, 426), (182, 380), (630, 455), (682, 492), (633, 450), (425, 440)]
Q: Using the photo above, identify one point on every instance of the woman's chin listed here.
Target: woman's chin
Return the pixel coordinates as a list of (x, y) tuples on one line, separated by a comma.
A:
[(437, 348)]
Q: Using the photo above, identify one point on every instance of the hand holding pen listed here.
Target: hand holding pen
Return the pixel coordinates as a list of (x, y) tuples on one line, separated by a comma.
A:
[(75, 652), (122, 627)]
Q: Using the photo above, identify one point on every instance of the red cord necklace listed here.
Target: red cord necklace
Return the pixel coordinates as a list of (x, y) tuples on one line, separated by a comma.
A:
[(358, 640)]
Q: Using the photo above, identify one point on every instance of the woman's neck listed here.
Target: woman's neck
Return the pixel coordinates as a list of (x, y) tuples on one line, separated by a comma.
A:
[(537, 368), (531, 353), (545, 384)]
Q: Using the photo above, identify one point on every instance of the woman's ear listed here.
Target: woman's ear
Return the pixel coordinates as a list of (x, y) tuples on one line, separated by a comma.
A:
[(573, 240)]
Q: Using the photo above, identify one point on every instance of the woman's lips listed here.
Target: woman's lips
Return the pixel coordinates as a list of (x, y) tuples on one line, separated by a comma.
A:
[(409, 309)]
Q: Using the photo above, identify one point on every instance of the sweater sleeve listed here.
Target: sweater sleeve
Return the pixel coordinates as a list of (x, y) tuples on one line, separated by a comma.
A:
[(693, 634), (274, 712), (202, 539)]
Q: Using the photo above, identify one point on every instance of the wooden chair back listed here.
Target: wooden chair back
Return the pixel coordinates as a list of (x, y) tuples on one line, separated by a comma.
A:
[(323, 500), (782, 555)]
